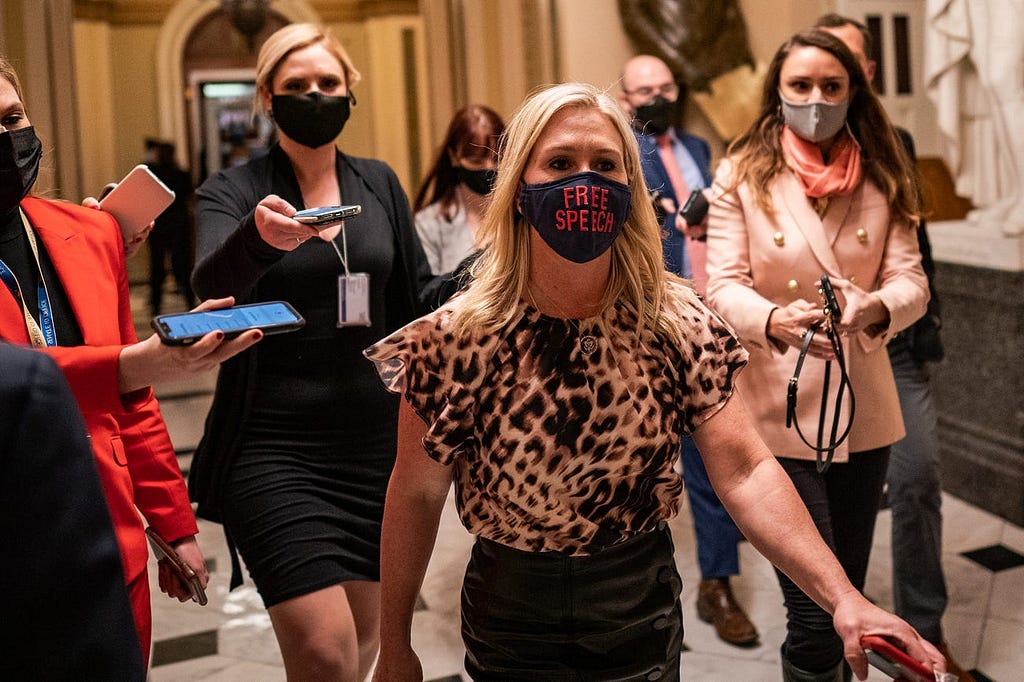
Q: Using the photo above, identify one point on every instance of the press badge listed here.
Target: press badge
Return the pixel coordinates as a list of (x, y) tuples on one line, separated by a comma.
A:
[(354, 300)]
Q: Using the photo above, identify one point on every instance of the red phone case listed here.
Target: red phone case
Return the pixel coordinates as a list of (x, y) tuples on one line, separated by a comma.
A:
[(893, 661)]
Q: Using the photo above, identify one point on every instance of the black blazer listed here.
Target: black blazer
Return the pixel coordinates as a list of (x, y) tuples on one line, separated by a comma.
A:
[(64, 612), (230, 259), (923, 336)]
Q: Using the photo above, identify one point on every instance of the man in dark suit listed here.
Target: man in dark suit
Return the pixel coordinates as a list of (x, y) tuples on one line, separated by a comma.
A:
[(65, 613), (674, 164)]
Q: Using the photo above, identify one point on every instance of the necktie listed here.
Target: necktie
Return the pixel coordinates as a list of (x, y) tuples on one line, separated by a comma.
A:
[(681, 190)]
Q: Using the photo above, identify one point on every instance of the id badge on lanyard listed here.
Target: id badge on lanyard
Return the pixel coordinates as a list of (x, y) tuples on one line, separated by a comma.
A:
[(354, 300), (353, 290)]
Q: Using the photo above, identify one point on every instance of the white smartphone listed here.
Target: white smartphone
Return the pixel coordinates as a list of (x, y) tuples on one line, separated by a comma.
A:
[(137, 200), (326, 215)]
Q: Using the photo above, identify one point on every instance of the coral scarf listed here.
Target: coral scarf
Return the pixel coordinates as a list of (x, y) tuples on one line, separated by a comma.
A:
[(840, 176)]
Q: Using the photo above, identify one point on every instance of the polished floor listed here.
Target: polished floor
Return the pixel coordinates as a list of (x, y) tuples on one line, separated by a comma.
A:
[(231, 640)]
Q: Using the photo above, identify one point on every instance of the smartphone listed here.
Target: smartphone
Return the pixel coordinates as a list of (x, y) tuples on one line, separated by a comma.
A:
[(327, 215), (695, 209), (893, 661), (831, 306), (165, 553), (273, 317), (136, 201)]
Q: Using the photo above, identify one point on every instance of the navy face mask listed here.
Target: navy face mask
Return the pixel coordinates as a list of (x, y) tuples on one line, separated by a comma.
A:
[(578, 216)]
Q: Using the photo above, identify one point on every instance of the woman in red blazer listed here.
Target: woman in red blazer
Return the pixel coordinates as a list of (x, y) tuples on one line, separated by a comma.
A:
[(66, 293), (819, 185)]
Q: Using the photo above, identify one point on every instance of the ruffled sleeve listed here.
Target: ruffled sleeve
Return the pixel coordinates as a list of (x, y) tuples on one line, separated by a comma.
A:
[(711, 357), (437, 376)]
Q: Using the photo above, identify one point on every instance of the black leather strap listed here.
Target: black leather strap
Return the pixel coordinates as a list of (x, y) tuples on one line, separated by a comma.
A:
[(834, 439)]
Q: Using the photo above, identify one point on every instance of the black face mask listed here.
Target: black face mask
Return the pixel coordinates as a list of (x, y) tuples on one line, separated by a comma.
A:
[(313, 119), (656, 117), (20, 152), (478, 181)]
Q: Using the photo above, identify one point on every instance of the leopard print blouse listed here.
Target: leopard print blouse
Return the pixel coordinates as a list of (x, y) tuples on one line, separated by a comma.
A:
[(553, 449)]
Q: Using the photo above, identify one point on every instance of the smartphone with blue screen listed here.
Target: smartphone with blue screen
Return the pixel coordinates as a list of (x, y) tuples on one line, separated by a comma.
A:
[(273, 317)]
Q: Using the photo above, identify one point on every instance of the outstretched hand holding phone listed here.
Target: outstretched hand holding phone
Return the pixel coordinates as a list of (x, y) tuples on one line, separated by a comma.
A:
[(271, 317), (148, 362)]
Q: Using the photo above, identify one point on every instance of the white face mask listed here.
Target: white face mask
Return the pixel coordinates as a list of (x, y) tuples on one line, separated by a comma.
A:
[(814, 121)]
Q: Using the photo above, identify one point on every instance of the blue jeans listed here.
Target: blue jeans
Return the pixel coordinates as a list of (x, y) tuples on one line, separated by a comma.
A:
[(919, 588), (714, 529)]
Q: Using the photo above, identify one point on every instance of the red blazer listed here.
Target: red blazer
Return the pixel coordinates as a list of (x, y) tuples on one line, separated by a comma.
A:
[(129, 439)]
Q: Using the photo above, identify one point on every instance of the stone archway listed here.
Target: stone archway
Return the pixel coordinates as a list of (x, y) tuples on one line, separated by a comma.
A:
[(170, 79)]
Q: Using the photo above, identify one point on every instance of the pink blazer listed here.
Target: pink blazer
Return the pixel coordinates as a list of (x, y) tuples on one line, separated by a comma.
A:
[(133, 451), (758, 261)]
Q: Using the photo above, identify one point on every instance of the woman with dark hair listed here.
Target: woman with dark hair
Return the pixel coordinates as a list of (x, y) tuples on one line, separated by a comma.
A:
[(455, 192), (819, 184)]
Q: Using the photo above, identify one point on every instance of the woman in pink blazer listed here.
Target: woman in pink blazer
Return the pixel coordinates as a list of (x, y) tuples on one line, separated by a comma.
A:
[(819, 185), (65, 292)]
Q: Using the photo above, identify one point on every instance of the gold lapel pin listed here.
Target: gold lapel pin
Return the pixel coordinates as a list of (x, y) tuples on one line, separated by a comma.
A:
[(779, 239), (862, 235)]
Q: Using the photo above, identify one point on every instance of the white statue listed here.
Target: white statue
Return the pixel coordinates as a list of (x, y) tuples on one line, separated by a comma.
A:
[(974, 64)]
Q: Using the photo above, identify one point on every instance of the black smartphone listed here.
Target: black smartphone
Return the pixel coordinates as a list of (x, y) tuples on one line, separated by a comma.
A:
[(831, 306), (327, 215), (893, 661), (273, 317), (695, 209)]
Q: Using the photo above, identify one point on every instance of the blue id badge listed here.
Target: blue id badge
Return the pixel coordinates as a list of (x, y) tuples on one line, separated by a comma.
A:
[(354, 300)]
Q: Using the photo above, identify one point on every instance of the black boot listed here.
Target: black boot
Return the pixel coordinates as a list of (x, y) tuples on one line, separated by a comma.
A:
[(791, 673)]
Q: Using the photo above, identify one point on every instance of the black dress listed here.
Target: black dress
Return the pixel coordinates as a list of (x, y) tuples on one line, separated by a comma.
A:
[(302, 462)]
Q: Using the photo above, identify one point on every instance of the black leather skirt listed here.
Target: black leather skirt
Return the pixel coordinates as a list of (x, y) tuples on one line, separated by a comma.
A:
[(614, 615)]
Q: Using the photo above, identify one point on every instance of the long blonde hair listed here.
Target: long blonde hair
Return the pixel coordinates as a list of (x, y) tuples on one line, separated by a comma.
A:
[(501, 274), (11, 76), (292, 38)]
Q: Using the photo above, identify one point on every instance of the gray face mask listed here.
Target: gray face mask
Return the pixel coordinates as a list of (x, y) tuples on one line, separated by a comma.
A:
[(814, 121)]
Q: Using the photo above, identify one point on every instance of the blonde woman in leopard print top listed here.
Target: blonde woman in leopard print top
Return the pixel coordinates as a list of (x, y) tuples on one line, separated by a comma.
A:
[(553, 392)]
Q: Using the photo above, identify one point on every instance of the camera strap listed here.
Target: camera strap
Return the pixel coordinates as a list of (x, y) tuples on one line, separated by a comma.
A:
[(834, 440)]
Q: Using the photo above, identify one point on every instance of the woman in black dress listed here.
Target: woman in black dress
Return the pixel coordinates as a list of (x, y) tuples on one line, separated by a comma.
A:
[(300, 440)]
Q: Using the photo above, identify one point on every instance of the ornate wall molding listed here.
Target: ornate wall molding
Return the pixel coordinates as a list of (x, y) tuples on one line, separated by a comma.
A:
[(127, 12)]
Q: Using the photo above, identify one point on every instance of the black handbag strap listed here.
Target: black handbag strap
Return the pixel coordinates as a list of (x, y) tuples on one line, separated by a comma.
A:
[(820, 448)]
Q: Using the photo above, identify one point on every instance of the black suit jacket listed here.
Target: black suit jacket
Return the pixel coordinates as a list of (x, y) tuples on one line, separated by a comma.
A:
[(923, 336), (64, 611)]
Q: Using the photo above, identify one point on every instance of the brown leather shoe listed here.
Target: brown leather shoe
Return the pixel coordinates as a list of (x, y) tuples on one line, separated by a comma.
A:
[(716, 605), (952, 666)]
